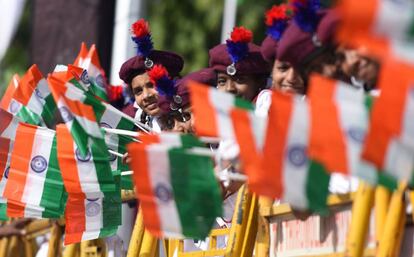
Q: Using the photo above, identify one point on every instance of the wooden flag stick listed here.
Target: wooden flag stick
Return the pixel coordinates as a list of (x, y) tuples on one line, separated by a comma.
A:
[(116, 153)]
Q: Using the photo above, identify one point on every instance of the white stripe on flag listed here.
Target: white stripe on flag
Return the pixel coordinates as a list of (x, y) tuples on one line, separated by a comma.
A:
[(223, 103), (90, 127), (170, 139), (110, 117), (43, 89), (87, 173), (259, 127), (399, 160), (36, 175), (407, 130), (112, 141), (353, 120), (93, 217), (3, 180), (394, 19), (296, 163), (33, 211), (73, 93), (160, 177), (346, 93), (10, 131)]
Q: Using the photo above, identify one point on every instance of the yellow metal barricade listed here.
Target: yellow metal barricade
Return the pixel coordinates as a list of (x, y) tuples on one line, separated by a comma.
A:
[(361, 210), (240, 236)]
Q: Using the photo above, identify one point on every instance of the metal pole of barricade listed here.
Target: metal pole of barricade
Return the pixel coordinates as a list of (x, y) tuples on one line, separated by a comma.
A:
[(137, 236), (361, 210), (382, 200), (391, 231), (149, 245), (263, 232)]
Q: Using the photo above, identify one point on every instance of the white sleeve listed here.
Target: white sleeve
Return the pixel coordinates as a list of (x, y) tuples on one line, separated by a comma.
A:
[(264, 99)]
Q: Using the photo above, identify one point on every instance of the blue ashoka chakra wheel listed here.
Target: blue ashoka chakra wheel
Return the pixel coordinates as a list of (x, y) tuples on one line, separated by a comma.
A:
[(6, 172), (357, 134), (92, 209), (85, 77), (66, 114), (38, 164), (14, 106), (99, 81), (81, 158), (297, 155), (163, 193)]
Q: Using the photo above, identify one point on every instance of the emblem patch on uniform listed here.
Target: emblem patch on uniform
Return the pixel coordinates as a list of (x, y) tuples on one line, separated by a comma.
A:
[(92, 208), (66, 114), (38, 164), (163, 193), (356, 134), (14, 106), (81, 158), (297, 155)]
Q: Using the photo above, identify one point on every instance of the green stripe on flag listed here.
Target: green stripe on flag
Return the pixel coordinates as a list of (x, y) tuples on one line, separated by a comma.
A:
[(188, 141), (369, 102), (53, 186), (317, 187), (112, 205), (80, 137), (387, 180), (243, 104), (49, 109), (28, 116), (196, 192)]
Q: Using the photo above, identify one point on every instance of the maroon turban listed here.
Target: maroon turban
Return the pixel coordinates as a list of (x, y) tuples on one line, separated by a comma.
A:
[(136, 65), (298, 47), (252, 64)]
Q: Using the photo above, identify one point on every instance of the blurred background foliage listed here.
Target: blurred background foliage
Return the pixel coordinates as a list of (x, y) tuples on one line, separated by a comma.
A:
[(17, 57), (188, 27)]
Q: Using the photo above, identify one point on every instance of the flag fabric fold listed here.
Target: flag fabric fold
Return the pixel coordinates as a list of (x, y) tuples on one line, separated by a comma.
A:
[(170, 181)]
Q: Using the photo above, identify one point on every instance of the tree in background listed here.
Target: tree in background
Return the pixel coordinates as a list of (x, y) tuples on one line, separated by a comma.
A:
[(191, 28)]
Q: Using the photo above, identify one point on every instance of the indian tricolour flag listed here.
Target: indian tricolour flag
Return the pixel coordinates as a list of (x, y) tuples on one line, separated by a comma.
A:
[(251, 131), (211, 109), (8, 94), (95, 71), (34, 178), (390, 140), (178, 193), (94, 204), (384, 27), (79, 117), (291, 175), (340, 118), (8, 128), (73, 74), (33, 93), (83, 53)]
